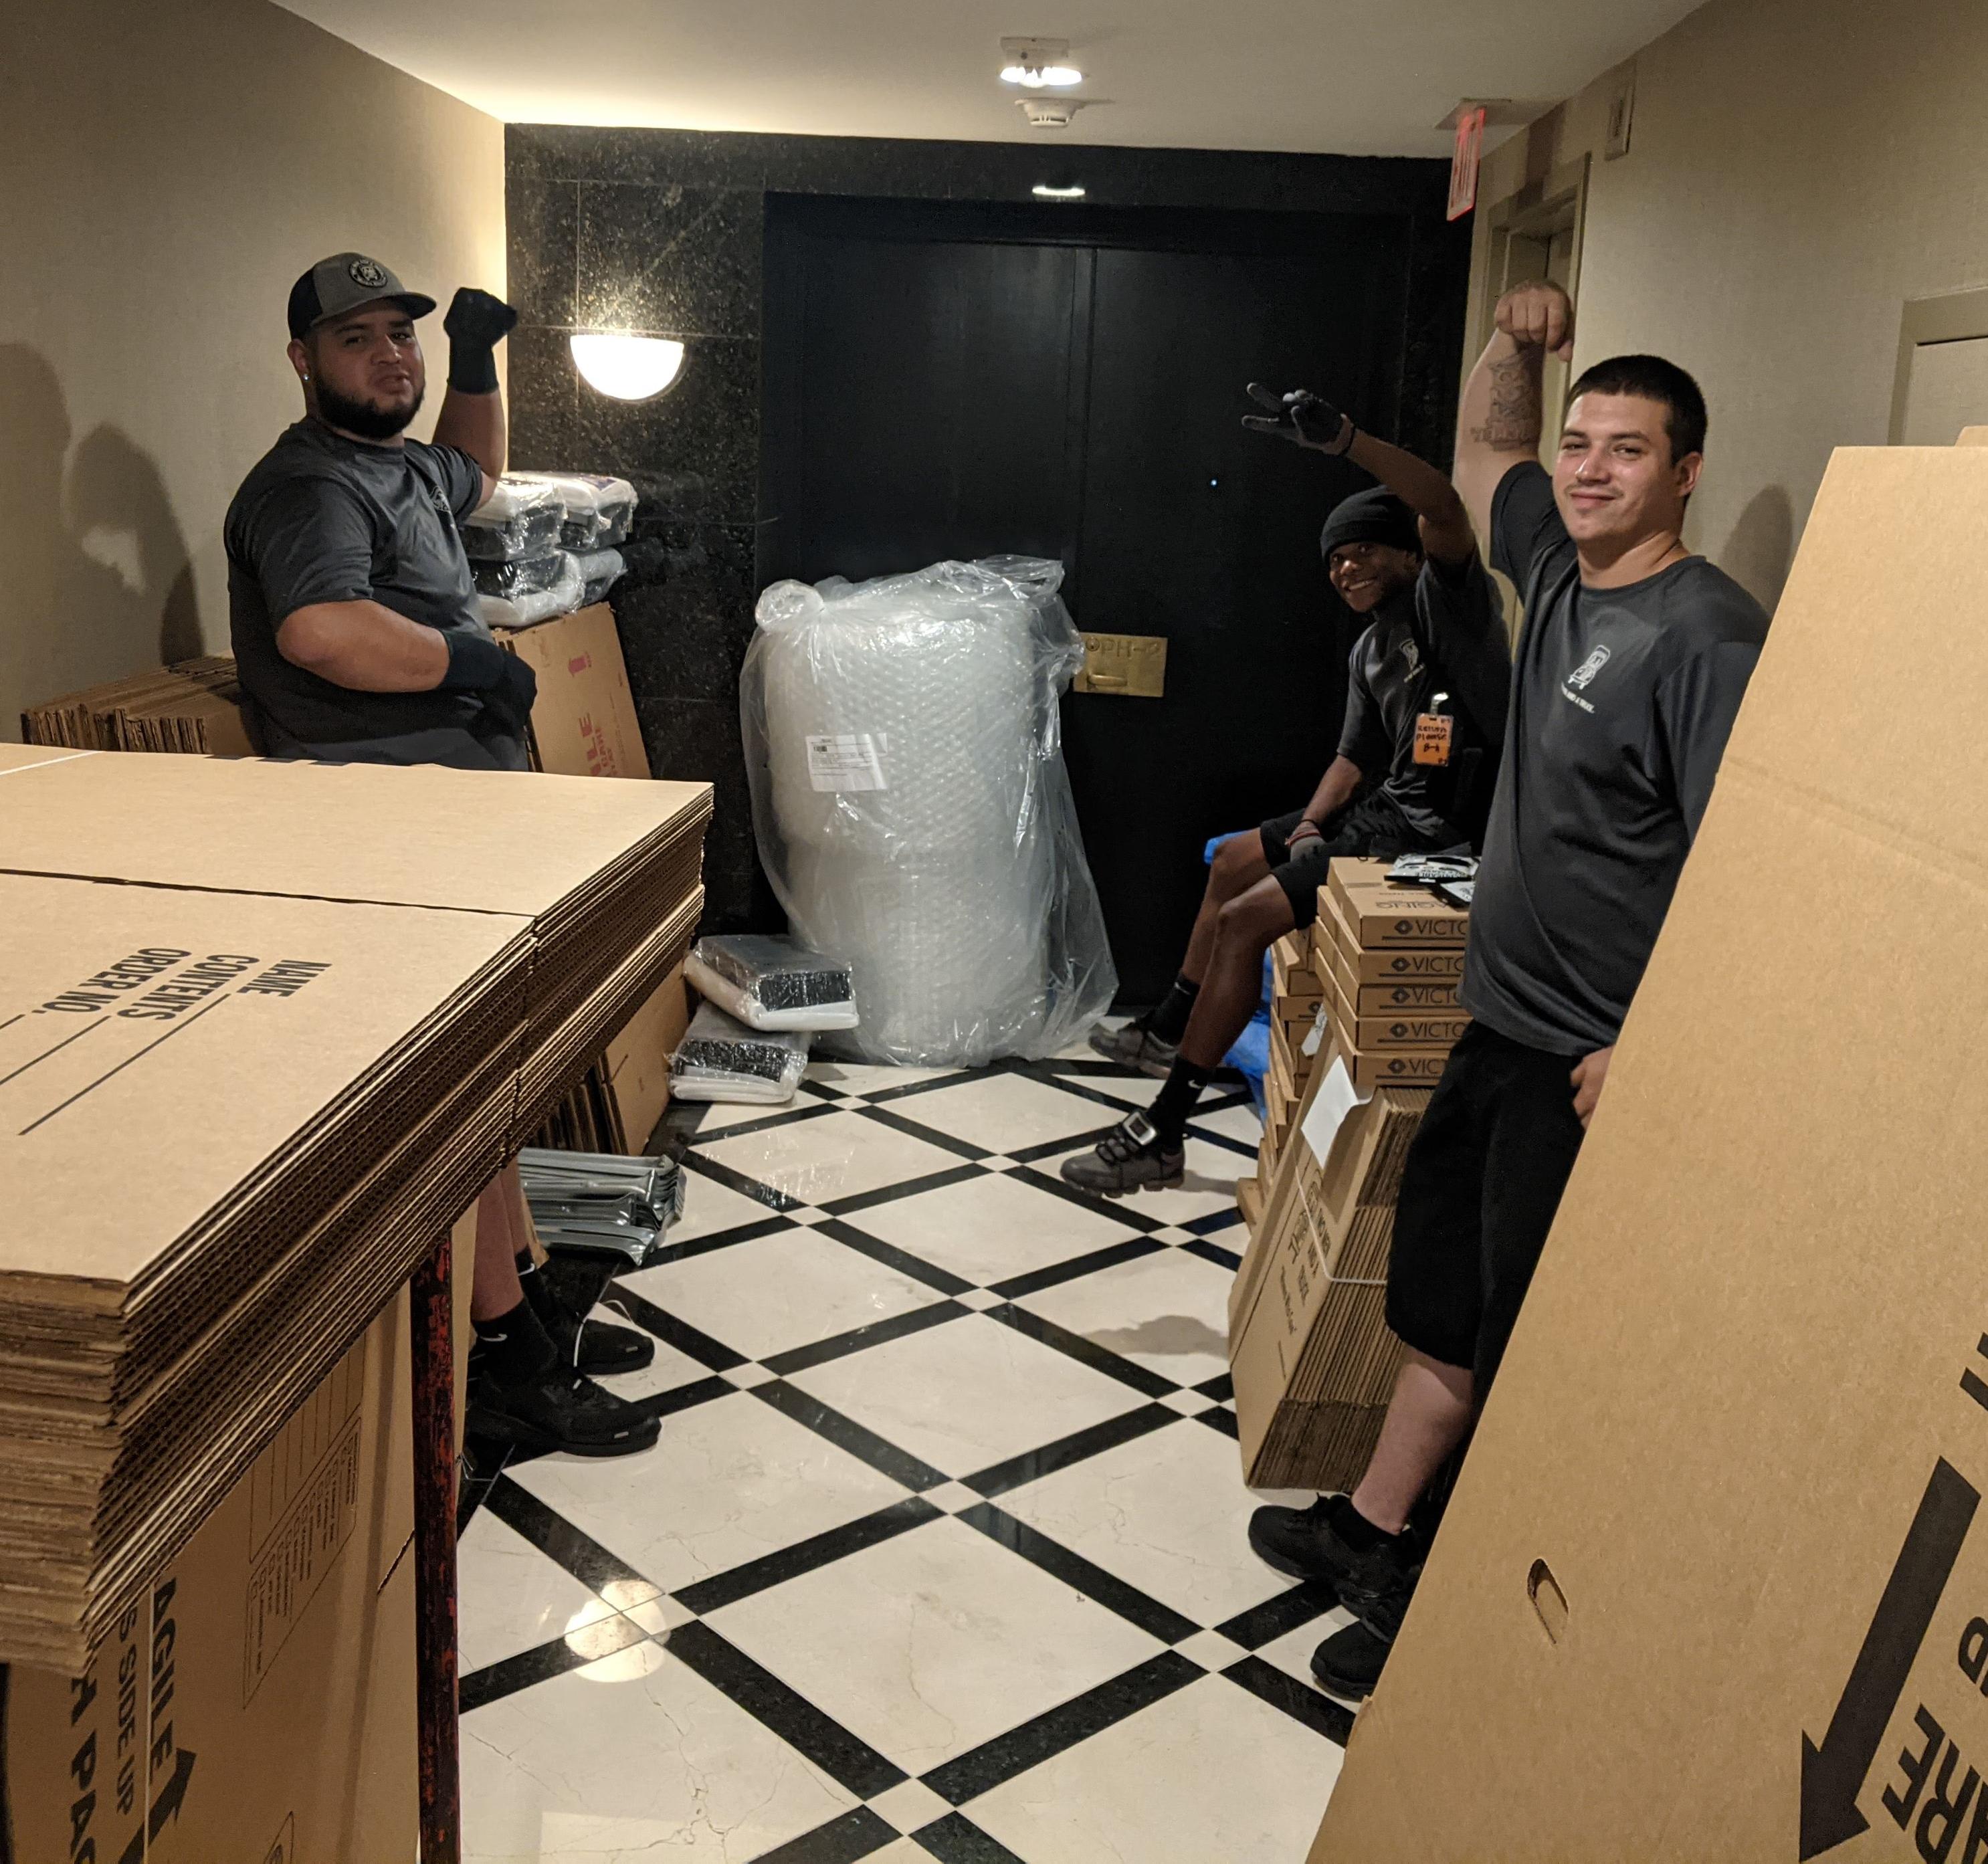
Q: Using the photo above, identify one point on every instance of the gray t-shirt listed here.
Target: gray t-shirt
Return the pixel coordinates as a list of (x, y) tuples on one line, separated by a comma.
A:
[(1446, 637), (323, 518), (1621, 702)]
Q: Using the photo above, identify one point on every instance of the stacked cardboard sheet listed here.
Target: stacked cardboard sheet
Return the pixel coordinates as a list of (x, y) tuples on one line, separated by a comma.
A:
[(192, 706), (1390, 958), (1309, 1348), (310, 1010), (1296, 994)]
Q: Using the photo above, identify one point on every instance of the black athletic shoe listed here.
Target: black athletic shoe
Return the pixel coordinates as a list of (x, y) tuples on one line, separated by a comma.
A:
[(1136, 1046), (1348, 1663), (1318, 1543), (1130, 1158), (559, 1412), (591, 1346)]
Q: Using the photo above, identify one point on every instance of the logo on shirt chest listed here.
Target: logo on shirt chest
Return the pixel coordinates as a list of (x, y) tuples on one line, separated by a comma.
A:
[(1583, 677)]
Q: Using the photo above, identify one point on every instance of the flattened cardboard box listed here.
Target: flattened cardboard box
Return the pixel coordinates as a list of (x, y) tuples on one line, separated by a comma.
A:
[(1338, 943), (583, 722), (1382, 916), (638, 1060), (1714, 1580)]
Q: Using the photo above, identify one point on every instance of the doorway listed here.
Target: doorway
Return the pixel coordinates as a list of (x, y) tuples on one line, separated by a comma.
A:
[(954, 380)]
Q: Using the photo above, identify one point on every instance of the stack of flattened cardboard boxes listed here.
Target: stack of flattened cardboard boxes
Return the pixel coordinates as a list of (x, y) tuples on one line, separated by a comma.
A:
[(1391, 957), (1296, 994), (266, 1030), (190, 707)]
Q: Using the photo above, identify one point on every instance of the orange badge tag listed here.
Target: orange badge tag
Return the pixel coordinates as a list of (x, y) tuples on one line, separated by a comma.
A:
[(1433, 734)]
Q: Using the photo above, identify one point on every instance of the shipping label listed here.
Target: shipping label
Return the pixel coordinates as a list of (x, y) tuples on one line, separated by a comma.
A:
[(847, 760)]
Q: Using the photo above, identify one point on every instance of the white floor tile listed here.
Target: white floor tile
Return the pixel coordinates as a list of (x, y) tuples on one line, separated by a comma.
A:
[(1235, 1122), (513, 1598), (987, 1229), (720, 1114), (710, 1207), (840, 1155), (1134, 1088), (665, 1373), (1167, 1312), (870, 1077), (1210, 1184), (1003, 1393), (729, 1480), (910, 1806), (581, 1769), (933, 1641), (788, 1289), (1167, 1512), (1005, 1112), (1210, 1771)]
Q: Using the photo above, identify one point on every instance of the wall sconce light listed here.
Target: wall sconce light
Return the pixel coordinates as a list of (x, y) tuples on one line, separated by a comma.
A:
[(627, 368)]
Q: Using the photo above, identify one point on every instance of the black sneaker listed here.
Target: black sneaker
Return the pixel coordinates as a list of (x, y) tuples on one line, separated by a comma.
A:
[(591, 1346), (1318, 1543), (1136, 1046), (1349, 1663), (1130, 1158), (559, 1411)]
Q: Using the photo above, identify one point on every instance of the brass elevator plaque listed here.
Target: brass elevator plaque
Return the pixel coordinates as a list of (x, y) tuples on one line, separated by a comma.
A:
[(1130, 665)]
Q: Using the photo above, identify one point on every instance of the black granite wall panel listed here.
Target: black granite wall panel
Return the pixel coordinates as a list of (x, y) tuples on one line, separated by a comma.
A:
[(662, 231)]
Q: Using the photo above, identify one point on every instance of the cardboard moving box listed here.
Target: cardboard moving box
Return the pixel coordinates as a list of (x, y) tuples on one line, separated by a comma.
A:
[(1714, 1582), (583, 722)]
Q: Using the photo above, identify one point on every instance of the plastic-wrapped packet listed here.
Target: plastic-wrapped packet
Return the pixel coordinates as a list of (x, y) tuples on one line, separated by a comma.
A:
[(600, 510), (913, 811), (722, 1059), (772, 983), (602, 1203), (519, 519), (521, 576), (528, 610), (599, 570)]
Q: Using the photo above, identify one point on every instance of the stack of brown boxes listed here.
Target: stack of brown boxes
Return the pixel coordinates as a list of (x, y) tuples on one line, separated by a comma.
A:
[(192, 706), (1296, 994), (1391, 957)]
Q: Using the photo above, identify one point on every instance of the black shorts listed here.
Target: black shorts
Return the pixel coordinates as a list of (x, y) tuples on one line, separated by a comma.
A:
[(1482, 1180), (1370, 826)]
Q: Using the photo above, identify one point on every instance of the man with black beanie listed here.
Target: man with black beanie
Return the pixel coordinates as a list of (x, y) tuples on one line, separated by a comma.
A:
[(357, 640), (1427, 687)]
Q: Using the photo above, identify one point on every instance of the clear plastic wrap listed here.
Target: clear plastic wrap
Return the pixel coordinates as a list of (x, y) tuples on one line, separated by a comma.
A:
[(599, 570), (521, 576), (600, 510), (722, 1059), (520, 518), (528, 610), (912, 809), (772, 983)]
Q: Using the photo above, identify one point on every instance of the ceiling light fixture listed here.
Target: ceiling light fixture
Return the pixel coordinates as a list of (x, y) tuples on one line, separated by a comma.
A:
[(1044, 191), (626, 368), (1036, 63)]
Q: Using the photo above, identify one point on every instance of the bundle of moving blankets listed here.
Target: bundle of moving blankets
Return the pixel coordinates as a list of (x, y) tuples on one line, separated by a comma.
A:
[(545, 544)]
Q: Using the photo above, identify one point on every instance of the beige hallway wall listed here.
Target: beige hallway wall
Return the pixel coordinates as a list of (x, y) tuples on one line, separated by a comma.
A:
[(165, 172), (1798, 169)]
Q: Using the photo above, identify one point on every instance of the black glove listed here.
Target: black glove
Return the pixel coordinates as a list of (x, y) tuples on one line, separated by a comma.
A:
[(1302, 419), (476, 323), (506, 685)]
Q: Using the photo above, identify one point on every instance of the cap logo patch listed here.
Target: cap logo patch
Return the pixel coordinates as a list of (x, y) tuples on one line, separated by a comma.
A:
[(367, 272)]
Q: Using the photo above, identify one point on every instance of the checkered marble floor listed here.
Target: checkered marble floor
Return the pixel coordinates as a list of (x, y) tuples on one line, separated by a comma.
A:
[(941, 1554)]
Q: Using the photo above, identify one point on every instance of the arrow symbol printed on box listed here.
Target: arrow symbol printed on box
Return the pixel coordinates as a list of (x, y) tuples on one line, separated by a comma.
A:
[(1833, 1774)]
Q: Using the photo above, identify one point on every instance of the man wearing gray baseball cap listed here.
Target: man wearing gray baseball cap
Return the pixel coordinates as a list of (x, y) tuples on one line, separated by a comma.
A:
[(351, 604), (357, 640)]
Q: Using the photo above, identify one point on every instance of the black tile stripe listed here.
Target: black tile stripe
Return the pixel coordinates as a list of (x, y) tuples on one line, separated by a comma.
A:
[(891, 1193), (1110, 1257), (684, 1397), (718, 1239), (876, 1333), (1087, 1352), (1221, 1420), (668, 1328), (841, 1840), (705, 1165), (745, 1128), (1213, 1252), (804, 1556), (931, 1136), (900, 1465), (1221, 1388), (1076, 1086), (955, 1840), (1214, 1223), (916, 1268), (1032, 1465), (1107, 1589), (1073, 1142), (1278, 1617), (1207, 1137), (495, 1681), (842, 1756), (994, 1762), (1320, 1713), (883, 1096), (560, 1541), (1121, 1212)]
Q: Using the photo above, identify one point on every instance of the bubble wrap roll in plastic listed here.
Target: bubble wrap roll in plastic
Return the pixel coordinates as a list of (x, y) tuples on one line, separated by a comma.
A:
[(913, 811)]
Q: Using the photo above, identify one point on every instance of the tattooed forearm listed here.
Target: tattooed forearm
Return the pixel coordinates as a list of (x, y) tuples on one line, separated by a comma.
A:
[(1512, 423)]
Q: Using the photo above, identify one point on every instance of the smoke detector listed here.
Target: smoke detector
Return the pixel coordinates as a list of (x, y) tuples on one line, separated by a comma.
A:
[(1037, 62), (1049, 112)]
